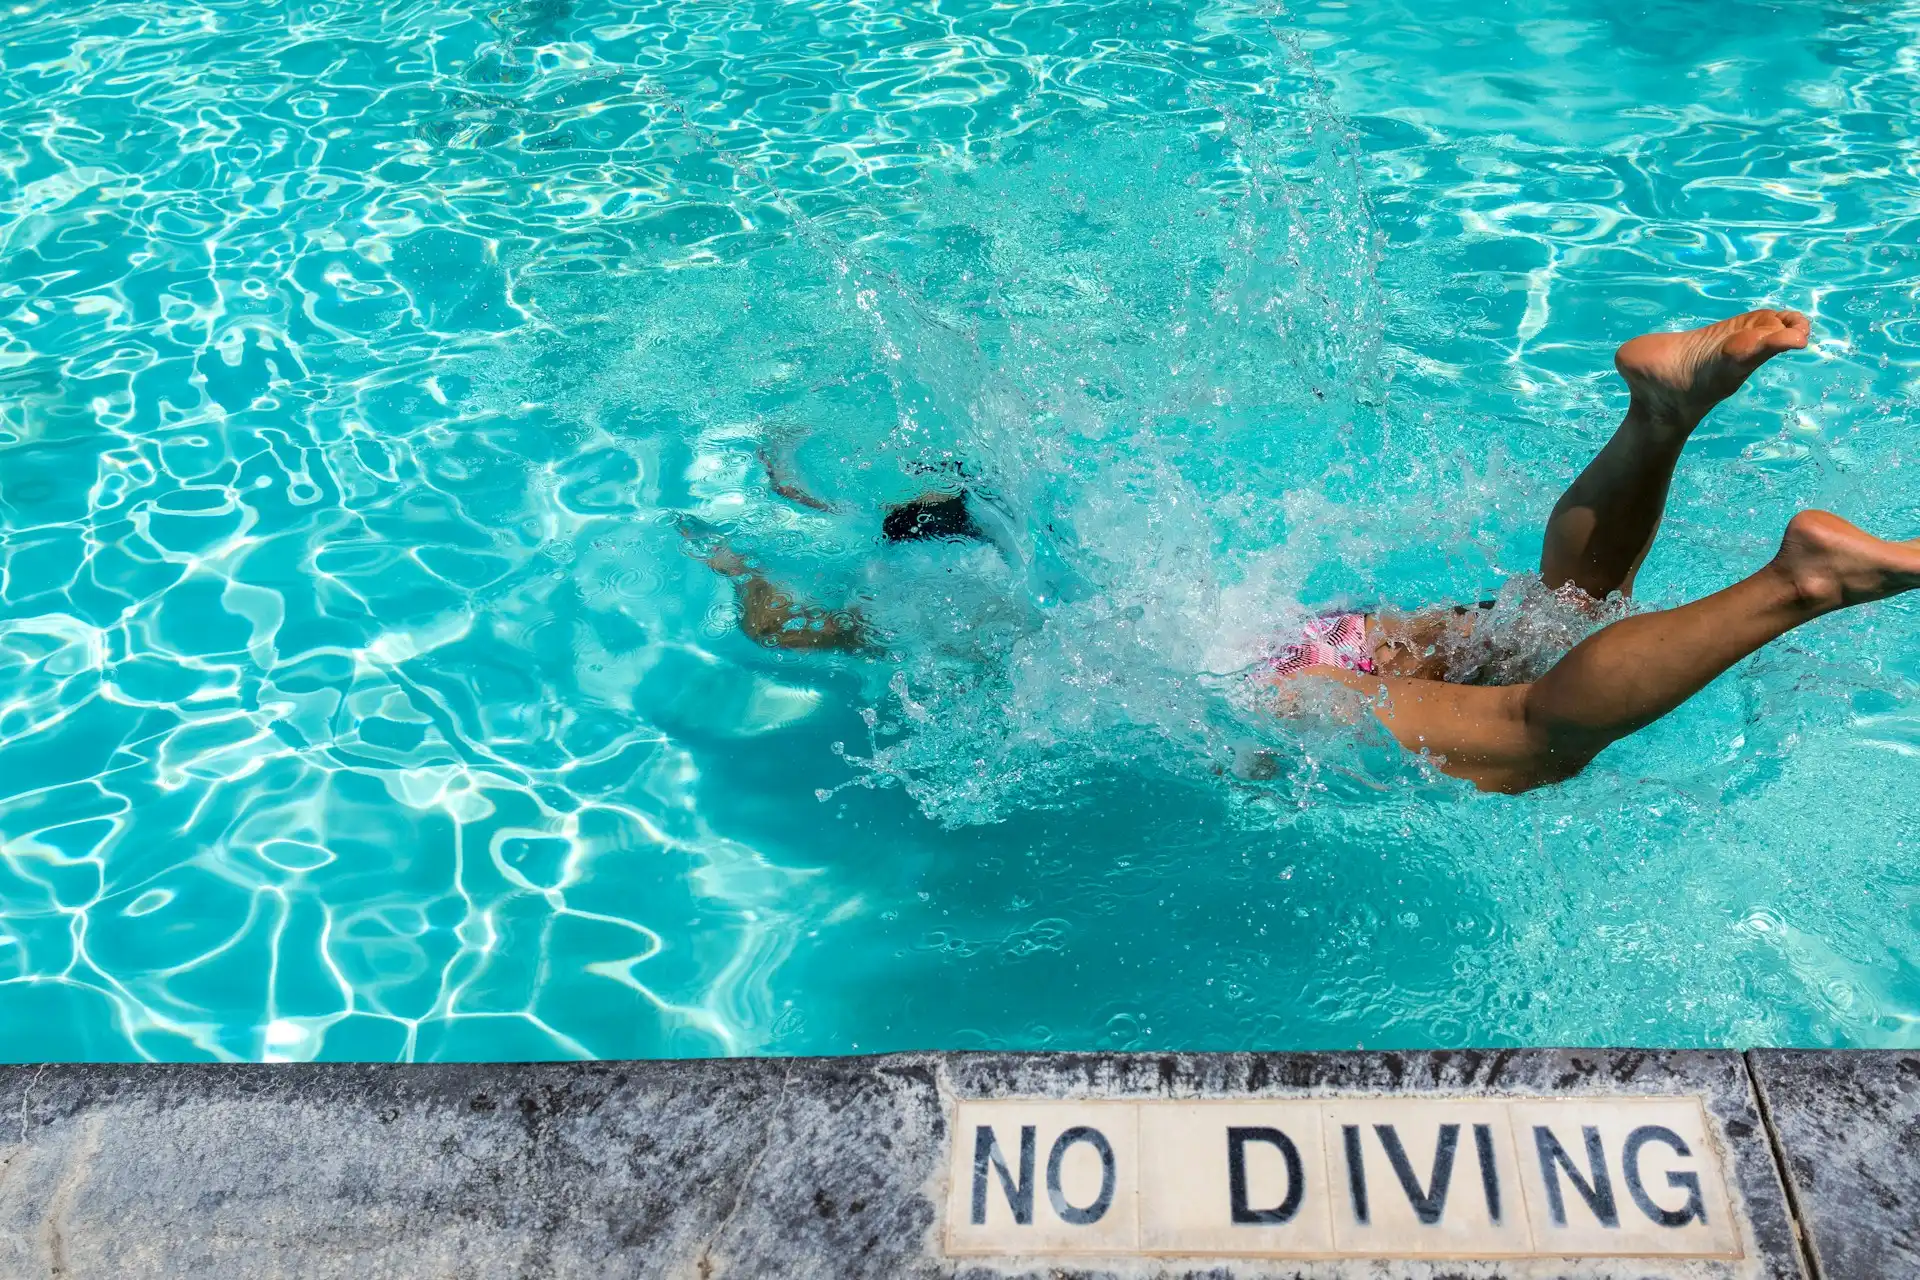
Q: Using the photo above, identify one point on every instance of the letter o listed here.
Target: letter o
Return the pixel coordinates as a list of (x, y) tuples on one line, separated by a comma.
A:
[(1070, 1213)]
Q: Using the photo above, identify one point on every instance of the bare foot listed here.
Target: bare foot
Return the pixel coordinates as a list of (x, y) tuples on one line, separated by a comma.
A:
[(1677, 377), (1832, 564)]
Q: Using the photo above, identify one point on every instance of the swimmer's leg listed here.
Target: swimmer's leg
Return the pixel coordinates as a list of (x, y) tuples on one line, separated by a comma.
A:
[(1625, 676), (1603, 526)]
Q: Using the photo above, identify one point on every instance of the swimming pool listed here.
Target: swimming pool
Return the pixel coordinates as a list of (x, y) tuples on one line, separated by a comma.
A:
[(358, 364)]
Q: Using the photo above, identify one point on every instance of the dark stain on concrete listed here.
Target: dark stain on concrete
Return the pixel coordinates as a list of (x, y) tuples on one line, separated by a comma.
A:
[(1848, 1127)]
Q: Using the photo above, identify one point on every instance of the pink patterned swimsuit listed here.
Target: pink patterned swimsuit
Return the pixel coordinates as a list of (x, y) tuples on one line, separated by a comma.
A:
[(1330, 640)]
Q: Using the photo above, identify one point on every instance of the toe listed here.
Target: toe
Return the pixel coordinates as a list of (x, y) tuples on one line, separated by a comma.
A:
[(1792, 333), (1771, 333), (1756, 345)]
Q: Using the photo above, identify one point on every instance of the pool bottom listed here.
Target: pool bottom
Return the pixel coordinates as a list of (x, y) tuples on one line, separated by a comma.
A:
[(842, 1167)]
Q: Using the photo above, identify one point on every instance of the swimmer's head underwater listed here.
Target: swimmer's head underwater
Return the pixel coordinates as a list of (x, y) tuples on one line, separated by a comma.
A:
[(1511, 737), (933, 516)]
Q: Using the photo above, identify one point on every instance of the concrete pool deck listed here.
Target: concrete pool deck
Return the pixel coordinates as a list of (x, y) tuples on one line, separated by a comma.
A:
[(1602, 1165)]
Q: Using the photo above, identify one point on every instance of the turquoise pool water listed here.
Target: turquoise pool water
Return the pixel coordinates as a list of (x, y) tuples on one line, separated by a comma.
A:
[(358, 699)]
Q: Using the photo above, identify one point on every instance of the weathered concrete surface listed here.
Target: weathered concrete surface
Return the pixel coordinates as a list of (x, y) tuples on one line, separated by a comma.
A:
[(525, 1170), (1848, 1125), (829, 1168)]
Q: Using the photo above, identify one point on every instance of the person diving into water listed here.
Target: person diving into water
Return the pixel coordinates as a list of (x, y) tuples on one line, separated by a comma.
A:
[(1518, 736)]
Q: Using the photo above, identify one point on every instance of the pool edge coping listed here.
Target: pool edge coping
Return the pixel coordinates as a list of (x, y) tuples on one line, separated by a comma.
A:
[(750, 1130)]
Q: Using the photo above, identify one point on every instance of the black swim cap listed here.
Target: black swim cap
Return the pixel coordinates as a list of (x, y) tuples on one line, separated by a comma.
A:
[(945, 516)]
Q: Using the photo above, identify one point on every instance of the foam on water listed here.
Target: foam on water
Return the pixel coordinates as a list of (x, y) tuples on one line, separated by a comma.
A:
[(359, 368)]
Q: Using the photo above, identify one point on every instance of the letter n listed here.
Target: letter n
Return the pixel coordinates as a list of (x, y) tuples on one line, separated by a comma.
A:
[(986, 1151), (1598, 1194)]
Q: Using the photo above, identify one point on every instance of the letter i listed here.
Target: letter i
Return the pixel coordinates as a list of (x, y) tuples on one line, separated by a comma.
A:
[(1489, 1173)]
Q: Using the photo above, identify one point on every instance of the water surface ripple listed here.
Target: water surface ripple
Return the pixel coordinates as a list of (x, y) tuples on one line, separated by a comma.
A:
[(357, 699)]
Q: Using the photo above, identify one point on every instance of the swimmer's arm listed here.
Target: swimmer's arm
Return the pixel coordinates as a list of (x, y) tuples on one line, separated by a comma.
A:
[(785, 483), (773, 617)]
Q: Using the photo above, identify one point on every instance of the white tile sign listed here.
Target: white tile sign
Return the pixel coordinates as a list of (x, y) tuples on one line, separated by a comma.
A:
[(1364, 1177)]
